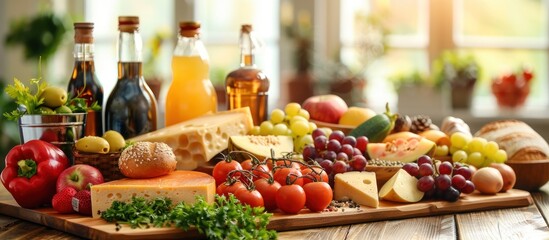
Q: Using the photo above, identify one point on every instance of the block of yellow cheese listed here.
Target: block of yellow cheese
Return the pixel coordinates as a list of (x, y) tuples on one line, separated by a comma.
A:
[(402, 187), (179, 186), (196, 141), (361, 187)]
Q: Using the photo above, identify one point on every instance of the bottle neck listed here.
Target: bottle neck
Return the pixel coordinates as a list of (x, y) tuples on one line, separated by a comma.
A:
[(83, 52), (190, 46), (247, 48), (130, 47)]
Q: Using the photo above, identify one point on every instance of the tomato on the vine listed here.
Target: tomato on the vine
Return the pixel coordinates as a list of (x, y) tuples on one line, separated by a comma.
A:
[(318, 196), (314, 172), (225, 189), (281, 175), (249, 197), (268, 190), (290, 198), (222, 168), (259, 170), (283, 163)]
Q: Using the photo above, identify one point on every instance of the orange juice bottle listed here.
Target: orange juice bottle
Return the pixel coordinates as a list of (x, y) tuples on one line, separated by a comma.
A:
[(191, 92)]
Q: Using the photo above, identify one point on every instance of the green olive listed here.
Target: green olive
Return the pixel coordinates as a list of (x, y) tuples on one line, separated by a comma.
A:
[(92, 144), (45, 110), (54, 96), (115, 139), (63, 109)]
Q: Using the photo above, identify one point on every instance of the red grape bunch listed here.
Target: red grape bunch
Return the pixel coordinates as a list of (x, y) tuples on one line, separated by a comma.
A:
[(336, 153), (441, 181)]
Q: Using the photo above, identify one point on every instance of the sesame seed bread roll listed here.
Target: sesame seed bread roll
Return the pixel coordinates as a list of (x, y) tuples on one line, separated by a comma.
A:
[(147, 160)]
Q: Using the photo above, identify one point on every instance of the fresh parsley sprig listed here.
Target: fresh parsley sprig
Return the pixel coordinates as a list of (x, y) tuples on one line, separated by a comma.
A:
[(226, 218)]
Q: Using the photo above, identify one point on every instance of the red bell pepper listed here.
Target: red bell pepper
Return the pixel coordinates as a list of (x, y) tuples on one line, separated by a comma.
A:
[(31, 172)]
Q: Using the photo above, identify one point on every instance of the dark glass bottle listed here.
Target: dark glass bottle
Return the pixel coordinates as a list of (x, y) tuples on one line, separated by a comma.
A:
[(131, 108), (84, 82), (248, 86)]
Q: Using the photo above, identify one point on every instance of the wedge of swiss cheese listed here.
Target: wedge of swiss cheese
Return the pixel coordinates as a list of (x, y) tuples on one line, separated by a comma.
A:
[(361, 187), (198, 140), (179, 186)]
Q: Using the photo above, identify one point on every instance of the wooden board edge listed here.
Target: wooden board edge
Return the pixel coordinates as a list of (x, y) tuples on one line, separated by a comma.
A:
[(283, 222), (74, 224)]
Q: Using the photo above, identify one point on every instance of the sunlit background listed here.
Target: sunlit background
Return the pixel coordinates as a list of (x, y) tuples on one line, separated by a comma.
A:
[(358, 49)]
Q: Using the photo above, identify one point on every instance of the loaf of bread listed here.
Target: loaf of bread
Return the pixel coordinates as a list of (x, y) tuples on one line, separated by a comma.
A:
[(517, 138), (147, 160)]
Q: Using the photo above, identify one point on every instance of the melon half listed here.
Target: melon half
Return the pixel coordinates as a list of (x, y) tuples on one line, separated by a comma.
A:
[(401, 149)]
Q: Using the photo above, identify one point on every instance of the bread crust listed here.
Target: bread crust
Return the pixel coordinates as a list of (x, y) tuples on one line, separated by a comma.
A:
[(517, 138), (147, 160)]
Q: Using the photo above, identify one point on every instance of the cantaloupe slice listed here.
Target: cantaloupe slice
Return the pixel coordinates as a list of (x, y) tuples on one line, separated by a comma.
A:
[(404, 150), (261, 146)]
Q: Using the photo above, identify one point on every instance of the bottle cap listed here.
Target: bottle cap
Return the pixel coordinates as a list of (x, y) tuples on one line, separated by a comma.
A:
[(246, 28), (128, 23), (189, 28), (83, 32)]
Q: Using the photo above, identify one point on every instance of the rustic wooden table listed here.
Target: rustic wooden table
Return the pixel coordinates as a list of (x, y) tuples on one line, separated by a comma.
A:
[(511, 223)]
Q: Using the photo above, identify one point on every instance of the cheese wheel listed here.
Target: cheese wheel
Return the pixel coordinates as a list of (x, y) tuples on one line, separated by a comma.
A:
[(179, 186), (147, 160), (517, 138)]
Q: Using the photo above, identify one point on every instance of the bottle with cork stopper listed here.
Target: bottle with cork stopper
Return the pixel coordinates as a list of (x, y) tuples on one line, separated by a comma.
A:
[(191, 93), (83, 82), (248, 86), (131, 108)]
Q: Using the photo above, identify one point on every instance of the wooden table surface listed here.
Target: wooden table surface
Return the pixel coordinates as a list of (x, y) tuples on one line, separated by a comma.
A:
[(512, 223)]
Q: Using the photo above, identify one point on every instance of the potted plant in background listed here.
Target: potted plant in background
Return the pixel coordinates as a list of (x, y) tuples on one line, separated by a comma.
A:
[(348, 80), (417, 93), (39, 35), (301, 83), (459, 73), (9, 134)]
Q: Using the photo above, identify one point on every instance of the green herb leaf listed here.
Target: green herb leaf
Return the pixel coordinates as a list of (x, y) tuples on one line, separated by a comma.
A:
[(226, 218)]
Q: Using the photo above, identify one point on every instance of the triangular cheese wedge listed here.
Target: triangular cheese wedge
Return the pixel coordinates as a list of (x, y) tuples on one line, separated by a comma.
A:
[(361, 187), (402, 187)]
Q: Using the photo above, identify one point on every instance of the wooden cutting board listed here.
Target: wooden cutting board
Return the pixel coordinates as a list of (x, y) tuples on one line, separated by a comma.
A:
[(99, 229)]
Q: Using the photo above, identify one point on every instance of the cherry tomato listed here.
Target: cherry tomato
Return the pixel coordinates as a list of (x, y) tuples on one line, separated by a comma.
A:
[(225, 189), (281, 175), (286, 163), (222, 168), (249, 197), (290, 198), (319, 174), (247, 164), (318, 196), (268, 191), (259, 170)]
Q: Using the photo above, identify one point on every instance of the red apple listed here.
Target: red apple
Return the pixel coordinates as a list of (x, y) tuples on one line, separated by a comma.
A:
[(325, 108), (79, 176)]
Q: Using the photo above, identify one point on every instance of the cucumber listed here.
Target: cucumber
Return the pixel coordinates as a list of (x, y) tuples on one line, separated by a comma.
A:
[(377, 127)]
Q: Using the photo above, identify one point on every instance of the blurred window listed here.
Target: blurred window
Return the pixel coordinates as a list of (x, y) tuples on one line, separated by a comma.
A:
[(503, 35)]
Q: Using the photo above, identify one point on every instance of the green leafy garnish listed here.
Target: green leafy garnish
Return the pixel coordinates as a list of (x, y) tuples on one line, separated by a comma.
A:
[(79, 105), (24, 97), (30, 100), (226, 218)]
